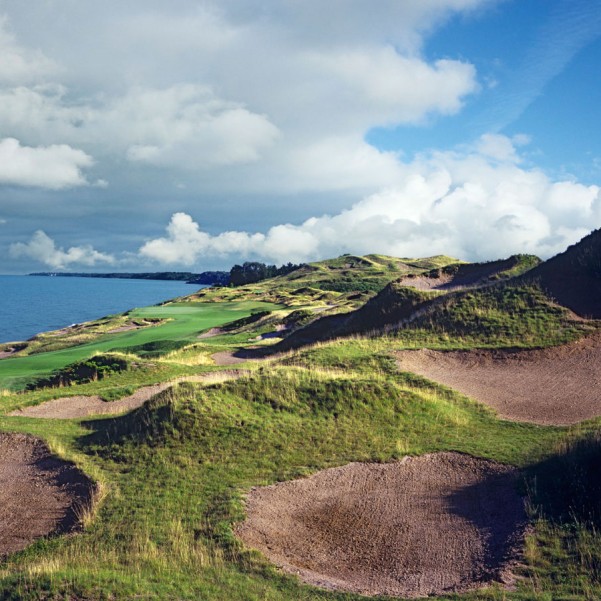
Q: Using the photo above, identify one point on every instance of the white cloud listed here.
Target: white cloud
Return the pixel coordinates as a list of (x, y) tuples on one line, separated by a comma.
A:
[(501, 148), (184, 126), (187, 126), (42, 248), (55, 167), (185, 242), (474, 205), (215, 84), (395, 88), (19, 64)]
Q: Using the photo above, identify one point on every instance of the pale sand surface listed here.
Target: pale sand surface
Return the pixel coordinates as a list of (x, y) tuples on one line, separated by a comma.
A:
[(422, 526)]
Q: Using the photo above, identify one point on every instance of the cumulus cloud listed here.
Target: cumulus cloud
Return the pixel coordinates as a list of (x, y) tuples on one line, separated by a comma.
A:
[(200, 99), (42, 248), (185, 242), (187, 126), (395, 88), (476, 204), (184, 126), (55, 167)]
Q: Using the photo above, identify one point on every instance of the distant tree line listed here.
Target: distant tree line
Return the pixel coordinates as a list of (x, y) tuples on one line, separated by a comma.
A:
[(239, 275), (211, 278), (251, 272), (206, 277)]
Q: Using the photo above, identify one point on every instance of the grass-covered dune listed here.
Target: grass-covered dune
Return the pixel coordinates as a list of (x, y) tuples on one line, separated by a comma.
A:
[(573, 278), (171, 476), (514, 302)]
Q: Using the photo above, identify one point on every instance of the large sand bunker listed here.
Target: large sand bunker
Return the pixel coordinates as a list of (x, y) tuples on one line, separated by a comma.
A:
[(555, 386), (39, 494), (422, 526)]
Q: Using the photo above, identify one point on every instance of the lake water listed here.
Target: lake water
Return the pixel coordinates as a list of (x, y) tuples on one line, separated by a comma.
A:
[(33, 304)]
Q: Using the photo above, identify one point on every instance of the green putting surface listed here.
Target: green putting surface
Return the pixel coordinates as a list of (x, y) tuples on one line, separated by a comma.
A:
[(187, 320)]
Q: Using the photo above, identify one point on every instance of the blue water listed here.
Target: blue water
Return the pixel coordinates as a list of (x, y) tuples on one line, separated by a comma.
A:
[(32, 304)]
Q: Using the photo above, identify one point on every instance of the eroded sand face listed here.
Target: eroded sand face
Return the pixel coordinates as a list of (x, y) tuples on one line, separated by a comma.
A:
[(555, 386), (39, 494), (429, 525)]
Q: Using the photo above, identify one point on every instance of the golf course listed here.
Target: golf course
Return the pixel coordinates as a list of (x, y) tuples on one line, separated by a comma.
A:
[(306, 437)]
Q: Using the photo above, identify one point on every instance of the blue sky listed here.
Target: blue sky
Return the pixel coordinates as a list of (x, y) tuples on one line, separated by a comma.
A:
[(196, 134), (537, 61)]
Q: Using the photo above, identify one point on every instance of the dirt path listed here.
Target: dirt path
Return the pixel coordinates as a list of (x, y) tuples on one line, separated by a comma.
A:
[(84, 406), (39, 494), (556, 386), (423, 526)]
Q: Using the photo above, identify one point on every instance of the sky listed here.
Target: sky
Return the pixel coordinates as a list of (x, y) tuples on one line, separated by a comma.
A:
[(190, 135)]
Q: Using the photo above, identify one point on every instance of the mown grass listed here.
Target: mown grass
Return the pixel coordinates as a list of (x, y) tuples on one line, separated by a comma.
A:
[(186, 321)]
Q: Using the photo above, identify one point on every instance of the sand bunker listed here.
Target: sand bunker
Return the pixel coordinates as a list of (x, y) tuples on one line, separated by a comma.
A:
[(423, 526), (555, 386), (239, 356), (39, 494), (83, 406)]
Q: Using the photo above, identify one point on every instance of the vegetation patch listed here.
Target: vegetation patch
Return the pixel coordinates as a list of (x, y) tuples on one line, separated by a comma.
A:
[(90, 370), (504, 315)]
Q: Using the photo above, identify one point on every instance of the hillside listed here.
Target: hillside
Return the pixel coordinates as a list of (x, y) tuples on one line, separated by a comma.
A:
[(468, 275), (222, 468), (327, 280), (573, 278), (414, 302)]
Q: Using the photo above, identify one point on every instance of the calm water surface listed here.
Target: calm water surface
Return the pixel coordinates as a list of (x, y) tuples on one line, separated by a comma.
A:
[(32, 304)]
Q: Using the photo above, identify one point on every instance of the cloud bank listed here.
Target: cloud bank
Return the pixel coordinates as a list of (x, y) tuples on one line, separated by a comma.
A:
[(477, 203), (212, 85), (43, 249), (54, 167)]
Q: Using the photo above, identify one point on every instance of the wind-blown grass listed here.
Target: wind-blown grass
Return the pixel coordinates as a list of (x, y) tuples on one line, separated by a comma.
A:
[(175, 472)]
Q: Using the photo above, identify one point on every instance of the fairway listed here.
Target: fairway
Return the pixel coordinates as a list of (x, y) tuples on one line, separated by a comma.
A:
[(186, 321)]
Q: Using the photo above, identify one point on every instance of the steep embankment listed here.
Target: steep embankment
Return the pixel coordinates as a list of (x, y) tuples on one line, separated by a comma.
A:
[(573, 278), (477, 300)]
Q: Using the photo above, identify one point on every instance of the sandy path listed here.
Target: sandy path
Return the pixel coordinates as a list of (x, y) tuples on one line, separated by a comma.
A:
[(224, 358), (39, 493), (423, 526), (556, 386), (84, 406)]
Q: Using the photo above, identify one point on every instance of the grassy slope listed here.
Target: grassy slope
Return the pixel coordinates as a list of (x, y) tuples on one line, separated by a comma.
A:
[(502, 315), (505, 315), (175, 471), (327, 281), (573, 277)]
